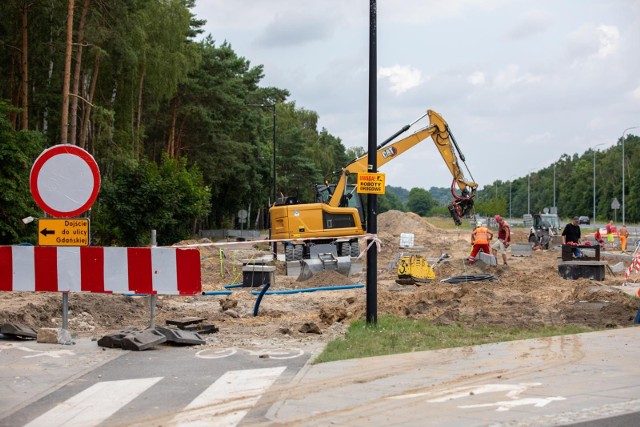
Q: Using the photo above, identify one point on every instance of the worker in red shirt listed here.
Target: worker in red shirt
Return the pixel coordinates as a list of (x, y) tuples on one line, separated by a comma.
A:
[(480, 240), (504, 239), (610, 231)]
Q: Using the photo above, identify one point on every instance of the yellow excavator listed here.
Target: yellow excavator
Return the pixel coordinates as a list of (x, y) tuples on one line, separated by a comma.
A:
[(324, 235)]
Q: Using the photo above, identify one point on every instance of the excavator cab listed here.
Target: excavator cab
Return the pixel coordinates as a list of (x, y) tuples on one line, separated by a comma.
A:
[(350, 199)]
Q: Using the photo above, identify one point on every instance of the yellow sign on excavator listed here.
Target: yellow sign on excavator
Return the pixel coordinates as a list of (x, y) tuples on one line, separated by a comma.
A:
[(370, 183)]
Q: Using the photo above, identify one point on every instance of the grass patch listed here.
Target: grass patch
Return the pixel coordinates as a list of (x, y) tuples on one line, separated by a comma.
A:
[(393, 335)]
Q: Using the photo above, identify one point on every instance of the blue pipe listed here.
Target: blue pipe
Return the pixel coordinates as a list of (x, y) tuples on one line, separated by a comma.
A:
[(324, 288), (234, 285), (216, 293), (262, 292)]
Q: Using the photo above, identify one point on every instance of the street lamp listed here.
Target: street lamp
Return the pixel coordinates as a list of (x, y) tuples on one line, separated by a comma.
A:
[(594, 181), (275, 175), (510, 196), (529, 192), (554, 186), (625, 131)]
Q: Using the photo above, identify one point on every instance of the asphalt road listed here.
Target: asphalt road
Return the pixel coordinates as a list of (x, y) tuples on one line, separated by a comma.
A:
[(82, 385)]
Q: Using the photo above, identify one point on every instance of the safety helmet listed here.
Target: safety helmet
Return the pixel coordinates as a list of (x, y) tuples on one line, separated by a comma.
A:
[(479, 224)]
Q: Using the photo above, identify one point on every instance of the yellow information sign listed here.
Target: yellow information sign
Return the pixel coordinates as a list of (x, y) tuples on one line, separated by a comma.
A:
[(371, 183), (63, 232)]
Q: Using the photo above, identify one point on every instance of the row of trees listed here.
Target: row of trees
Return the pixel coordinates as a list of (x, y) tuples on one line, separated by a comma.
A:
[(171, 120), (574, 186)]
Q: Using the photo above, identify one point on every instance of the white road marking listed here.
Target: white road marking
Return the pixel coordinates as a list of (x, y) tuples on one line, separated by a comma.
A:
[(505, 405), (513, 391), (216, 354), (280, 354), (228, 400), (94, 405), (56, 354)]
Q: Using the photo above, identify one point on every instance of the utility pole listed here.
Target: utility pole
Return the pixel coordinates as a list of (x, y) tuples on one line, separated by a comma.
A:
[(372, 221)]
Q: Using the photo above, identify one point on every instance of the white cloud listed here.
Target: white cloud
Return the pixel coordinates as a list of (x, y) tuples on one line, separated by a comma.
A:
[(402, 78), (635, 94), (593, 42), (609, 37), (531, 23), (296, 27), (477, 78), (424, 11), (510, 77), (539, 139)]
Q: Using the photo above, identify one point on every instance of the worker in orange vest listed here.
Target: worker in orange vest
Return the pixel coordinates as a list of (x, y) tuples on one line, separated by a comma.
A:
[(623, 233), (480, 240)]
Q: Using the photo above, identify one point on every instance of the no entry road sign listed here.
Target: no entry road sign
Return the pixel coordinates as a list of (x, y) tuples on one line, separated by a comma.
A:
[(65, 181)]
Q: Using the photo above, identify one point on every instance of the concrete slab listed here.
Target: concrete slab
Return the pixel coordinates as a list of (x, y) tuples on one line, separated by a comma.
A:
[(487, 258), (521, 249)]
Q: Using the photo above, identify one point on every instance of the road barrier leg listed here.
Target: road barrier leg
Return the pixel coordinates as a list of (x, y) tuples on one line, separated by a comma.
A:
[(65, 310)]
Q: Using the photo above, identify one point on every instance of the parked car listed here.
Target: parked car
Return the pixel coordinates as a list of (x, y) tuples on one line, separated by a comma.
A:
[(584, 220)]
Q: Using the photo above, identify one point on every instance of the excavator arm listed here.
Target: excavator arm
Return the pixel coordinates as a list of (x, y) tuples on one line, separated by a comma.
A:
[(441, 135)]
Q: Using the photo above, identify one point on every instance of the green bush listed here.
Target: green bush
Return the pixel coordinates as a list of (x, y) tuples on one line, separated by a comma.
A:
[(169, 198)]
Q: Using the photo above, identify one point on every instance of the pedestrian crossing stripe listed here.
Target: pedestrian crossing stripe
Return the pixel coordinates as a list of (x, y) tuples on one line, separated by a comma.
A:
[(227, 401), (94, 405), (223, 403)]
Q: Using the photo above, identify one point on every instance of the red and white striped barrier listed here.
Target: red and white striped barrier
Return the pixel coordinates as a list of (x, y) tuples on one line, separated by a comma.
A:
[(635, 265), (170, 271)]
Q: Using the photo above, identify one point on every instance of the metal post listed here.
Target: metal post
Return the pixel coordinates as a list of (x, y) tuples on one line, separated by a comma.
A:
[(594, 187), (510, 182), (594, 182), (65, 310), (153, 297), (372, 225), (623, 176), (554, 185), (529, 193), (275, 175), (625, 131)]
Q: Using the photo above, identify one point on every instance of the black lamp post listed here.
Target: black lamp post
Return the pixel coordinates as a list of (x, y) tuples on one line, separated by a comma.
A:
[(275, 175), (625, 131), (594, 182)]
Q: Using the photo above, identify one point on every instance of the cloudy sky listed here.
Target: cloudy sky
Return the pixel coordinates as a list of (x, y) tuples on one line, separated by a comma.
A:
[(519, 82)]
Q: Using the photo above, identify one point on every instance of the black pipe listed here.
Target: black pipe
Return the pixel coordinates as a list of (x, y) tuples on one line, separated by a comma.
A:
[(255, 307)]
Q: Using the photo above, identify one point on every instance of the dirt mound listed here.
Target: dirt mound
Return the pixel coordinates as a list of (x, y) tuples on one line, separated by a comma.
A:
[(528, 292)]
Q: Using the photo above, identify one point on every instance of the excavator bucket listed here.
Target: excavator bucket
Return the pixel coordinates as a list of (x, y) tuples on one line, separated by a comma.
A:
[(324, 262)]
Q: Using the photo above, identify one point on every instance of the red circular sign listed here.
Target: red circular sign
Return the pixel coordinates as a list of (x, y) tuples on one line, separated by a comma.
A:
[(65, 181)]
